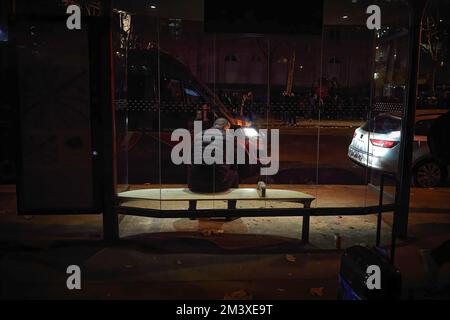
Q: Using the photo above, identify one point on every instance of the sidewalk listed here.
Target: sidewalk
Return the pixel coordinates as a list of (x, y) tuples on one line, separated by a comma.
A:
[(308, 123), (155, 263)]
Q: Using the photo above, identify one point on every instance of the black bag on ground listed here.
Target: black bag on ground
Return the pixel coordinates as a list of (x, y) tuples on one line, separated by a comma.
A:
[(353, 275)]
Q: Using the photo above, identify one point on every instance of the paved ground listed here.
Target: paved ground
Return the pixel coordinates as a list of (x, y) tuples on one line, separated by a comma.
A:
[(206, 259), (275, 123)]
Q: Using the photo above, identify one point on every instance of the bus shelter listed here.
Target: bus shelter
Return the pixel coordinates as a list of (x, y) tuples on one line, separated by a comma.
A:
[(106, 106)]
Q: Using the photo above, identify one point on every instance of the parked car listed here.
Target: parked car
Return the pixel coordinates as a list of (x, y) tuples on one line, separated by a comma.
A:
[(376, 145), (163, 95)]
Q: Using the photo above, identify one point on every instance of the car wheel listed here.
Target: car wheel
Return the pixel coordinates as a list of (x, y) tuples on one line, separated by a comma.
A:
[(428, 174)]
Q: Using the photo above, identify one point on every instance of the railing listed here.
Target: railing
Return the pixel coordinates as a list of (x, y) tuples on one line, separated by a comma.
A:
[(328, 110)]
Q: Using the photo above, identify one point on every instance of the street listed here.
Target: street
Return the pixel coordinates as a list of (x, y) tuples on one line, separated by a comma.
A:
[(317, 156), (305, 158)]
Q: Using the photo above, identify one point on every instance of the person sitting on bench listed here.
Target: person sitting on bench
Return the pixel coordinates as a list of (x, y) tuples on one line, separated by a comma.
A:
[(204, 178)]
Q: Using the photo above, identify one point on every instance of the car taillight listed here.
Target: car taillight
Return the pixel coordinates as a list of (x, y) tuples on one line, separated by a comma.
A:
[(383, 143)]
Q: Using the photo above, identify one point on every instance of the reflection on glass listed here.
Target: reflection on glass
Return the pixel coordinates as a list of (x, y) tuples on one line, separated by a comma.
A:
[(391, 47), (332, 98)]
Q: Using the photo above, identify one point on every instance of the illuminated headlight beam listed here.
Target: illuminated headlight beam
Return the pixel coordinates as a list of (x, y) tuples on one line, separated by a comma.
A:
[(251, 132)]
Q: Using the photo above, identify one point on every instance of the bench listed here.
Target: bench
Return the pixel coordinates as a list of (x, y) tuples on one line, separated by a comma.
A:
[(249, 194)]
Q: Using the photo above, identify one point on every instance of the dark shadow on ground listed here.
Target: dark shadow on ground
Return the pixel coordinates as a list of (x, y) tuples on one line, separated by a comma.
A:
[(194, 242), (183, 242)]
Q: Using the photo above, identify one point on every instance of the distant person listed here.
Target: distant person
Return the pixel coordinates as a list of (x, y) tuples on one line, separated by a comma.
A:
[(321, 92), (286, 107), (204, 178), (235, 100), (334, 87), (322, 89), (227, 100), (206, 115), (198, 117), (292, 109), (438, 138), (302, 108)]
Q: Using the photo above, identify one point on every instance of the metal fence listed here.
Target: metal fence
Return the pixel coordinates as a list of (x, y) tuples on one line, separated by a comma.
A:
[(326, 110)]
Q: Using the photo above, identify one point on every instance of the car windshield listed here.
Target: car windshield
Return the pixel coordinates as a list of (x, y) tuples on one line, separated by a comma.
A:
[(197, 89), (383, 124)]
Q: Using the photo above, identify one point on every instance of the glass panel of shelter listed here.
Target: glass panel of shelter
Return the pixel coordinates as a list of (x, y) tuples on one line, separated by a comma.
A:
[(137, 97), (343, 105), (389, 90), (171, 73)]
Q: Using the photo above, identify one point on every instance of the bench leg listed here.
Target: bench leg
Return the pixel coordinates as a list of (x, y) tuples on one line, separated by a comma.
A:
[(231, 204), (192, 207), (305, 224), (305, 229)]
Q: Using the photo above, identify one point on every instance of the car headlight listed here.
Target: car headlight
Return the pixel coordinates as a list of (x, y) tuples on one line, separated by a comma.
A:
[(250, 132)]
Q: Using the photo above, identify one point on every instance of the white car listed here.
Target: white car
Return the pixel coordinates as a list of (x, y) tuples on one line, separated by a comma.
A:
[(376, 145)]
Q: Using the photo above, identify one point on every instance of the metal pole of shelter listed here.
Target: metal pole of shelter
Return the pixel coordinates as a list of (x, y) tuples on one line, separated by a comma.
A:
[(102, 76), (402, 196), (380, 212)]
